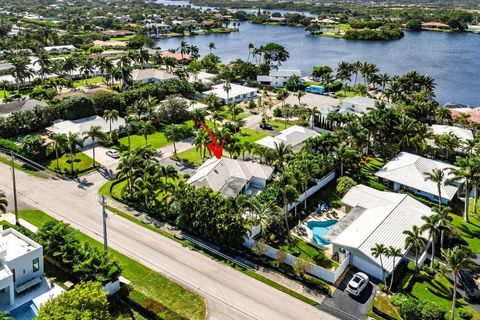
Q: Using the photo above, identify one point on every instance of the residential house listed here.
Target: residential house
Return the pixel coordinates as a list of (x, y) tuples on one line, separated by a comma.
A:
[(21, 265), (473, 114), (151, 75), (294, 136), (157, 29), (60, 49), (372, 217), (359, 105), (118, 33), (237, 93), (462, 134), (176, 55), (435, 25), (407, 172), (110, 44), (278, 78), (232, 177)]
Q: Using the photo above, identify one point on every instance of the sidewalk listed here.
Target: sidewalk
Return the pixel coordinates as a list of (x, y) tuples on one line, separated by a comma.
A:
[(167, 151), (10, 218)]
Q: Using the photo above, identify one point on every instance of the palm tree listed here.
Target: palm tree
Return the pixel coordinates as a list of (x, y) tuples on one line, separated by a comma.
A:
[(146, 129), (59, 143), (95, 133), (44, 63), (211, 46), (289, 194), (264, 212), (443, 115), (174, 133), (87, 67), (378, 251), (433, 228), (465, 172), (227, 87), (168, 172), (73, 141), (415, 241), (184, 48), (444, 220), (393, 253), (110, 116), (69, 65), (280, 154), (251, 46), (20, 71), (457, 259), (309, 168), (343, 153), (312, 113), (3, 202), (438, 176), (299, 96)]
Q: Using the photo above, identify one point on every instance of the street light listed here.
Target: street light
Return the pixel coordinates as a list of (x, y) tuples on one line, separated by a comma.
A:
[(104, 216), (15, 204)]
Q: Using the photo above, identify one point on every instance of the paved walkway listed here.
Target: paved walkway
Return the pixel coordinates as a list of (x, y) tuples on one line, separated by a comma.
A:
[(167, 151), (10, 218)]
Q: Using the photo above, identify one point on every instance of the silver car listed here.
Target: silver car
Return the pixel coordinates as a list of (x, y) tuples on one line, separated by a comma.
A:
[(357, 284), (113, 153)]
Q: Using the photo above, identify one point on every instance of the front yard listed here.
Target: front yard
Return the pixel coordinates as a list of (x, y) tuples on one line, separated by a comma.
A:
[(81, 163)]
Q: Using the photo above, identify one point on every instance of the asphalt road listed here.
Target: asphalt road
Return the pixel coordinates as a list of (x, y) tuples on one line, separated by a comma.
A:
[(229, 294)]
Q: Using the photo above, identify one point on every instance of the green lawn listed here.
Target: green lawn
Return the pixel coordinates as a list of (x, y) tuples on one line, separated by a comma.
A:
[(279, 125), (156, 140), (90, 81), (383, 304), (4, 94), (82, 163), (342, 94), (366, 174), (251, 135), (147, 283), (192, 156), (470, 232), (124, 38)]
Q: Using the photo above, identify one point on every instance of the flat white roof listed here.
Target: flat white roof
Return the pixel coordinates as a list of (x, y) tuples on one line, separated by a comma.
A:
[(145, 74), (16, 244), (361, 101), (285, 73), (409, 170), (292, 136), (82, 125), (51, 48), (386, 215), (461, 133), (235, 90)]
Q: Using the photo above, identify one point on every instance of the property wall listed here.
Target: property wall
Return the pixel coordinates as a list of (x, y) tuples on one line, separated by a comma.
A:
[(320, 184), (23, 266), (366, 266)]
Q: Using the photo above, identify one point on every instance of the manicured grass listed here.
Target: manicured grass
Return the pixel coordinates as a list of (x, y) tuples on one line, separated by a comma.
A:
[(368, 168), (155, 140), (303, 250), (470, 232), (82, 163), (383, 304), (192, 156), (5, 94), (90, 81), (279, 125), (251, 135), (342, 94), (124, 38), (147, 282)]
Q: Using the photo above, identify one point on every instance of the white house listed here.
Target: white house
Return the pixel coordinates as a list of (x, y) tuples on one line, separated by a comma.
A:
[(237, 93), (293, 136), (151, 75), (60, 49), (81, 126), (461, 133), (376, 217), (21, 265), (360, 105), (407, 171), (232, 177), (278, 78)]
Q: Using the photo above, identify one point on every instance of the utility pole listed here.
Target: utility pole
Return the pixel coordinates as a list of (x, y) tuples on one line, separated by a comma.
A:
[(104, 215), (14, 189)]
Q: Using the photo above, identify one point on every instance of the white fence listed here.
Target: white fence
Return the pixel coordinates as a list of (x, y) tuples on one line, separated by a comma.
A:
[(320, 184)]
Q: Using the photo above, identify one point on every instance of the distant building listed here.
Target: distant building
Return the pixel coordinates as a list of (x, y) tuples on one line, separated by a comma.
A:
[(151, 75), (176, 55), (22, 105), (294, 136), (60, 49), (21, 265), (462, 134), (359, 105), (237, 93), (232, 177), (473, 113), (278, 78), (435, 25), (157, 29), (118, 33), (110, 44)]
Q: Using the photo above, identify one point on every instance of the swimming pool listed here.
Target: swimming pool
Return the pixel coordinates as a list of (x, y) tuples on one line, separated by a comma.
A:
[(319, 228), (27, 311)]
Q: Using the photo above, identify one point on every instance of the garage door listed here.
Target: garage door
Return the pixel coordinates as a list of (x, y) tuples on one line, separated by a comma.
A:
[(367, 267)]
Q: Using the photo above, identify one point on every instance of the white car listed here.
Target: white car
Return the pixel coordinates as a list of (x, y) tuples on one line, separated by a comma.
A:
[(113, 153), (357, 284)]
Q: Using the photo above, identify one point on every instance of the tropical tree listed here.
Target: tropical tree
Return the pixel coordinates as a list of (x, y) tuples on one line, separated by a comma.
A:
[(264, 213), (343, 153), (73, 142), (378, 251), (110, 116), (280, 154), (415, 241), (96, 134), (211, 46), (393, 253), (457, 259), (437, 176), (175, 133), (433, 228), (444, 219), (443, 115), (87, 67), (59, 143), (146, 129), (465, 173)]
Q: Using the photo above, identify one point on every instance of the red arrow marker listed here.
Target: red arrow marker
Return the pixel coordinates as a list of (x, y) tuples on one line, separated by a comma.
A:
[(216, 149)]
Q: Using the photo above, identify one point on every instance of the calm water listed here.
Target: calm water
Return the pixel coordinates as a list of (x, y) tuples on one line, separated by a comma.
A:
[(452, 59)]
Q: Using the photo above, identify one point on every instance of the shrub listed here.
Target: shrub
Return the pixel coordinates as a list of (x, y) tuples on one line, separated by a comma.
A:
[(334, 86), (464, 314), (108, 101), (301, 267), (410, 309), (76, 107), (9, 145), (320, 285), (344, 184), (376, 185), (383, 287), (281, 257), (398, 299), (431, 311)]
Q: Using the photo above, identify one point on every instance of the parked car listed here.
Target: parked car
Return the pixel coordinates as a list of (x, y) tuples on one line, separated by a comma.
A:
[(113, 153), (469, 285), (266, 126), (315, 89), (356, 285)]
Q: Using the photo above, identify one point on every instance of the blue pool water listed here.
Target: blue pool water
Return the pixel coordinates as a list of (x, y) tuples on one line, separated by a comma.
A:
[(27, 311), (319, 228)]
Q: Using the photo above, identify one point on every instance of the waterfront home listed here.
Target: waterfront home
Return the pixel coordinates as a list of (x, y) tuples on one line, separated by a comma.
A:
[(435, 25), (60, 49), (237, 93), (407, 172), (22, 105), (232, 177), (176, 55), (359, 105), (192, 104), (151, 75), (473, 114), (294, 136), (311, 100), (21, 265), (372, 217), (203, 77), (83, 125), (157, 29), (278, 78), (462, 134)]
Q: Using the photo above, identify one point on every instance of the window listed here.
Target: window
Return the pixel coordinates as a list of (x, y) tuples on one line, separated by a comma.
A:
[(36, 265)]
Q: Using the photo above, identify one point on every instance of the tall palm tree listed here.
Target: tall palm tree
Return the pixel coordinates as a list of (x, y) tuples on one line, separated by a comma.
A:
[(146, 129), (343, 153), (378, 251), (59, 143), (251, 46), (312, 113), (299, 94), (433, 228), (465, 172), (3, 202), (20, 70), (69, 65), (264, 213), (110, 116), (174, 133), (95, 133), (289, 194), (415, 241), (309, 168), (393, 253), (184, 48), (444, 220), (44, 63), (73, 142), (87, 67), (168, 172), (280, 154), (438, 176), (457, 259), (211, 46), (227, 87), (443, 115)]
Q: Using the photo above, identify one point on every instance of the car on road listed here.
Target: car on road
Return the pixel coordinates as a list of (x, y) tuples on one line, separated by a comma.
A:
[(356, 285), (469, 285), (113, 153)]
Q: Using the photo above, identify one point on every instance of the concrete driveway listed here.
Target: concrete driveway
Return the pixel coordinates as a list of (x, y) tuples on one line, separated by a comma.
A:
[(356, 307), (101, 157)]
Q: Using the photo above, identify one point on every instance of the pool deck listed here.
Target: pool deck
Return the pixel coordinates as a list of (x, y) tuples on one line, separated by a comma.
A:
[(339, 214)]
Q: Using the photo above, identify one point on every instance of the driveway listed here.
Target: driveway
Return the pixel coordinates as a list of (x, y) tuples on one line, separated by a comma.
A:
[(356, 307), (101, 157)]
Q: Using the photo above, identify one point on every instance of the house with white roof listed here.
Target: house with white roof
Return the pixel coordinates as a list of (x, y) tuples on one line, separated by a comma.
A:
[(373, 217), (21, 266), (60, 49), (232, 177), (151, 75), (237, 93), (461, 133), (294, 136), (83, 125), (407, 171), (360, 105), (278, 78)]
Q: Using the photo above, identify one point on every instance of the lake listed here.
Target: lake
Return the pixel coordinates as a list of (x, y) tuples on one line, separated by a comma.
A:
[(453, 59)]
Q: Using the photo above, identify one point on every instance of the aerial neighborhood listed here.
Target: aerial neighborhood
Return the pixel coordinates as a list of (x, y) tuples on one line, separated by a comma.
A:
[(147, 174)]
